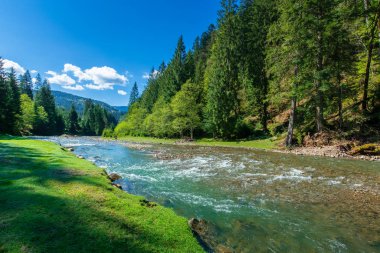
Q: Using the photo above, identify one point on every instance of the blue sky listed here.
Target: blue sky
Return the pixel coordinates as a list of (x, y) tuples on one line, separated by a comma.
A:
[(96, 48)]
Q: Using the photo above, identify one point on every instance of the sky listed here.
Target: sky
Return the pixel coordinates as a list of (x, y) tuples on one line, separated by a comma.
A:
[(98, 49)]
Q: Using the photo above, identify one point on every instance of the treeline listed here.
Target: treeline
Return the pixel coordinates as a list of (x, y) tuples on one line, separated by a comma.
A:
[(28, 108), (269, 67)]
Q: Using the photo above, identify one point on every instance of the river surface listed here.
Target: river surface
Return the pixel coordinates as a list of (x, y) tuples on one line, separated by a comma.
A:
[(254, 201)]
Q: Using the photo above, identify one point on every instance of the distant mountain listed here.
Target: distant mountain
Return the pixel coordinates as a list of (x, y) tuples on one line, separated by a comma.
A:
[(123, 109), (65, 100)]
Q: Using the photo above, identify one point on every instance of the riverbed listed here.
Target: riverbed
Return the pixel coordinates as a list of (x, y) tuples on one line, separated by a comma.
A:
[(253, 200)]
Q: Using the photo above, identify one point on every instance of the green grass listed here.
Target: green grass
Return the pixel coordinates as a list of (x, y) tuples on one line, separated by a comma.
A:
[(51, 201), (266, 143)]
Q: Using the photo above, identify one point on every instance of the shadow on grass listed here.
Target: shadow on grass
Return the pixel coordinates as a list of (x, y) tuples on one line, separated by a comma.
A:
[(38, 217)]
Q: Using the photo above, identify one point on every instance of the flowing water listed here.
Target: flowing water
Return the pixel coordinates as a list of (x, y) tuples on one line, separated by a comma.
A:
[(254, 201)]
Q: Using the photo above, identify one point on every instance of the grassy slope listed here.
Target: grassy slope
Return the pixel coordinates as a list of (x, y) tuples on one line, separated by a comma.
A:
[(51, 201), (260, 143)]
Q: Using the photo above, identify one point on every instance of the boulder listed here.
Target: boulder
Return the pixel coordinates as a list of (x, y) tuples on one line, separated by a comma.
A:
[(113, 177)]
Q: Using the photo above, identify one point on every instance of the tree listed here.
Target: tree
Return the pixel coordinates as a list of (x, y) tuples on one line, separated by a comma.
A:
[(14, 110), (134, 94), (45, 99), (186, 110), (26, 84), (256, 18), (175, 74), (38, 83), (5, 100), (31, 117), (73, 125), (222, 74)]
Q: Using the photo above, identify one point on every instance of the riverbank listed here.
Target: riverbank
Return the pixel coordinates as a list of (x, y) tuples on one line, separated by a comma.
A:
[(336, 150), (52, 201)]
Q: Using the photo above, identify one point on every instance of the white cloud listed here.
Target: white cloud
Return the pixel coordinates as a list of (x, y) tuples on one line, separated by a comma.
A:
[(102, 78), (146, 76), (33, 71), (149, 75), (34, 80), (121, 92), (11, 64), (99, 87), (75, 87), (62, 79)]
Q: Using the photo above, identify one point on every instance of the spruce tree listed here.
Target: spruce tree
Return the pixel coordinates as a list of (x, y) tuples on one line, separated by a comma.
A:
[(45, 99), (175, 74), (134, 94), (5, 101), (222, 75), (38, 83), (26, 84), (14, 106), (73, 126)]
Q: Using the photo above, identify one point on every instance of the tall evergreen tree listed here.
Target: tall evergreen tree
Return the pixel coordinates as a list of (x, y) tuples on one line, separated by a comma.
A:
[(73, 125), (14, 106), (26, 84), (134, 94), (222, 75), (256, 18), (38, 83), (45, 99), (175, 74), (5, 100)]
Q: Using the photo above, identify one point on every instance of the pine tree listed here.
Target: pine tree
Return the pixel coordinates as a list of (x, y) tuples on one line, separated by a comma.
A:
[(38, 83), (26, 84), (73, 125), (134, 94), (45, 99), (256, 18), (222, 75), (5, 100), (14, 106), (175, 74)]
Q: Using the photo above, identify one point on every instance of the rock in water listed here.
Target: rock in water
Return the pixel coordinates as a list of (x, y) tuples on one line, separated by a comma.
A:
[(114, 177), (201, 231)]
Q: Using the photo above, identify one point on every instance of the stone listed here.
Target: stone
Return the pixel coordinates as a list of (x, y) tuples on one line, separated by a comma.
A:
[(113, 177)]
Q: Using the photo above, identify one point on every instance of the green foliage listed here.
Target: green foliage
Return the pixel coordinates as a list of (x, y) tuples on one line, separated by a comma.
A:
[(45, 99), (31, 116), (96, 119), (26, 84), (134, 94), (222, 75), (186, 111), (72, 124)]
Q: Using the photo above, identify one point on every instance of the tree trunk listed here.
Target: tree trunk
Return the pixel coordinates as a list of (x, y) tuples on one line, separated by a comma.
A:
[(289, 137), (191, 133), (368, 69), (340, 103), (264, 115), (319, 98)]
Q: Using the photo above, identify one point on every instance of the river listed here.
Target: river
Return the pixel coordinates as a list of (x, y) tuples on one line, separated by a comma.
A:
[(254, 200)]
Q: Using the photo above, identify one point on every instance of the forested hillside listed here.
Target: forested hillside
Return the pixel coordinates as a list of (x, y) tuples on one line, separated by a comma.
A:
[(287, 68), (65, 100), (28, 107)]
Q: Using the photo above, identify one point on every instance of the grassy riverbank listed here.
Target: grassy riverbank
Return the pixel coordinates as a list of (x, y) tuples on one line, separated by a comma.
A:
[(51, 201), (266, 143)]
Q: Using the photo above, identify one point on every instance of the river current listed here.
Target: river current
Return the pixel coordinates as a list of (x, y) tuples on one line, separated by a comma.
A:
[(254, 200)]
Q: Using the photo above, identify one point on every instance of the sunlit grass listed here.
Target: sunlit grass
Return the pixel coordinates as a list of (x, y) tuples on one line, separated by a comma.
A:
[(51, 201), (266, 143)]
